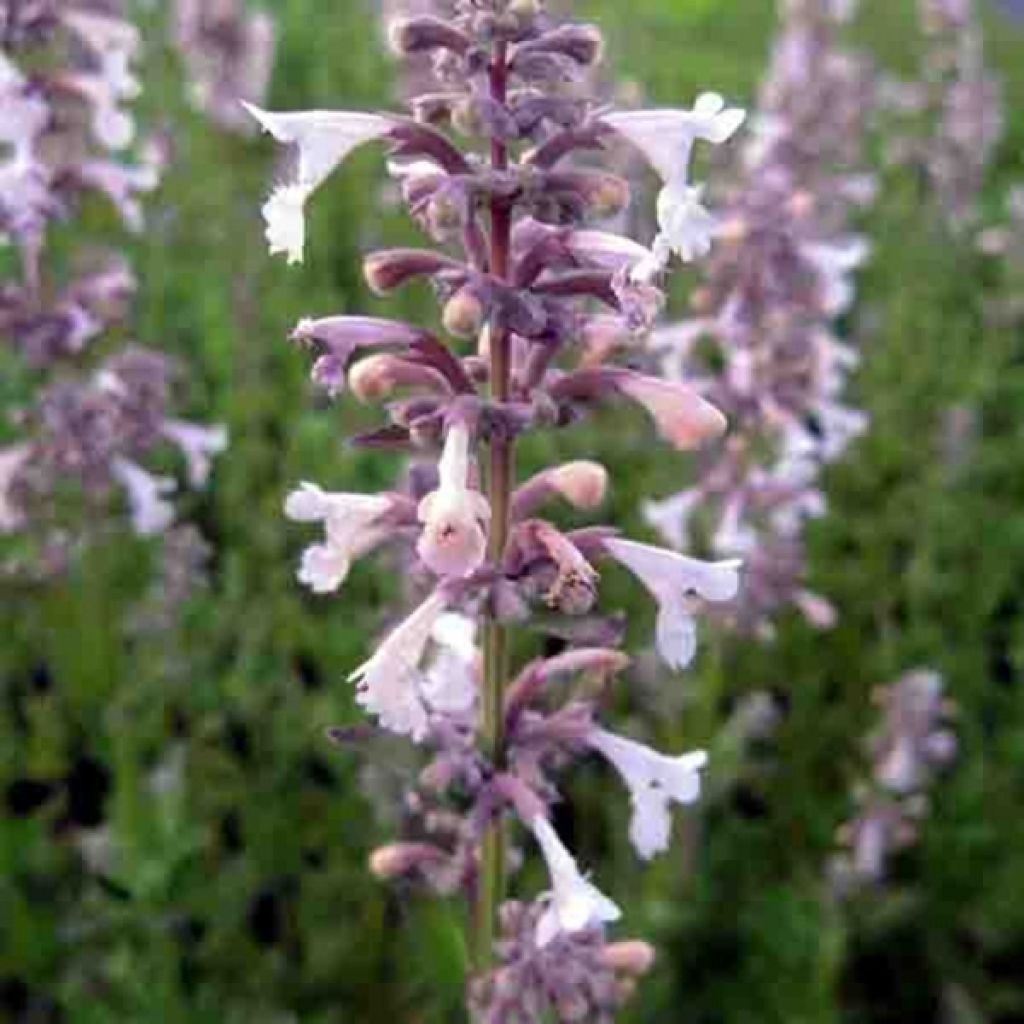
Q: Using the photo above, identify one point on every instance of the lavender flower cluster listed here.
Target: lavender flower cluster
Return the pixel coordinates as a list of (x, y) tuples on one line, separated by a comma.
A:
[(952, 113), (762, 345), (911, 744), (228, 53), (66, 79), (535, 305)]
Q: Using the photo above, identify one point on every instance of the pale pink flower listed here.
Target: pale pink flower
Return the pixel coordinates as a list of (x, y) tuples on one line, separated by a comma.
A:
[(25, 116), (390, 684), (666, 138), (351, 525), (835, 263), (198, 444), (575, 904), (11, 460), (113, 127), (150, 513), (450, 681), (453, 542), (671, 579), (686, 226), (655, 781), (324, 138)]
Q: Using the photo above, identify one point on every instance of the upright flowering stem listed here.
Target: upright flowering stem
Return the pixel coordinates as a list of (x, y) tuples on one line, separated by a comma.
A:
[(499, 485), (525, 284)]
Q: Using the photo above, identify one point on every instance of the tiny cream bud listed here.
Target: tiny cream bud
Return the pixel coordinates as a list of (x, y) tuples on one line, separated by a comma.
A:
[(397, 859), (389, 269), (370, 378), (463, 315), (525, 8), (379, 375), (733, 231), (802, 204), (701, 300), (634, 957), (582, 483)]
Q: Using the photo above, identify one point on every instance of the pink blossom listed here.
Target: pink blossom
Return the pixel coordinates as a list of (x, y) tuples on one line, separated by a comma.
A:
[(453, 542)]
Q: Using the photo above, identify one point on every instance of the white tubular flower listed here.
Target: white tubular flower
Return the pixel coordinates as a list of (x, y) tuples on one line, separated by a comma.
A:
[(655, 781), (575, 904), (115, 43), (666, 138), (198, 444), (450, 680), (150, 513), (389, 685), (351, 524), (453, 542), (11, 460), (686, 227), (835, 263), (324, 138), (671, 517), (25, 116), (671, 579)]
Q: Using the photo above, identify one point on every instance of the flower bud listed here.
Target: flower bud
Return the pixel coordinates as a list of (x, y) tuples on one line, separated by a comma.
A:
[(397, 860), (525, 9), (582, 483), (733, 231), (634, 957), (802, 204), (423, 34), (464, 314), (391, 268), (701, 300), (377, 376), (583, 44)]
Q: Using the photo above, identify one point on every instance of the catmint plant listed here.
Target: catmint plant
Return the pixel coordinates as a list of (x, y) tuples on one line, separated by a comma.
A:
[(228, 54), (1004, 242), (66, 81), (762, 344), (535, 299), (949, 120), (911, 743)]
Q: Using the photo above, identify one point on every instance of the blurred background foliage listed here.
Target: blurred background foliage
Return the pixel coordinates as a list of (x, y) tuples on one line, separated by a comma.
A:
[(181, 843)]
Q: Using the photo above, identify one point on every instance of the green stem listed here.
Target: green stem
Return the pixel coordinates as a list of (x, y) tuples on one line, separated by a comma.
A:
[(500, 481)]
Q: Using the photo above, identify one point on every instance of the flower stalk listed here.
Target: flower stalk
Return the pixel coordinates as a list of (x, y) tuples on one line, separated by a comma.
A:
[(500, 483), (525, 286)]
